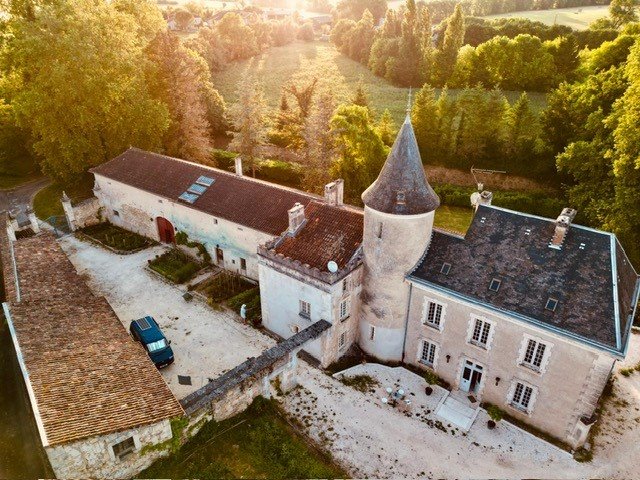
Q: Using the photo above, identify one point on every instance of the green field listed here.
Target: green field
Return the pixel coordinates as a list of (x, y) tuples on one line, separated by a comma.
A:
[(457, 219), (578, 18), (334, 71)]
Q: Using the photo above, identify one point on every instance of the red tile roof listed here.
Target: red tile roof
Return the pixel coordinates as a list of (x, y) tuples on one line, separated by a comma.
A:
[(330, 233), (256, 204), (88, 376)]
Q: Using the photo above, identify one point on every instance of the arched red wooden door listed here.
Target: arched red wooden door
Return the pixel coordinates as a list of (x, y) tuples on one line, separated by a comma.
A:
[(166, 231)]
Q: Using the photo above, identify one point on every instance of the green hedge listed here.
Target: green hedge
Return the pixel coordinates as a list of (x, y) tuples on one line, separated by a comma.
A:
[(175, 265)]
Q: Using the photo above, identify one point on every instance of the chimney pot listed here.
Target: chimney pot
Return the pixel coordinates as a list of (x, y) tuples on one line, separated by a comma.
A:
[(334, 192), (562, 227), (296, 218), (238, 162), (483, 198)]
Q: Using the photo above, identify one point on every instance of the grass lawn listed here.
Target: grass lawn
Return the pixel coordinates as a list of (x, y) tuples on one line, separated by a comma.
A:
[(457, 219), (578, 18), (15, 172), (258, 443), (334, 71), (47, 202), (116, 237), (175, 265)]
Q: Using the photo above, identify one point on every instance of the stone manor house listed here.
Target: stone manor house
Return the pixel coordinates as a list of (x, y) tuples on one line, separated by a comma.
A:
[(527, 313)]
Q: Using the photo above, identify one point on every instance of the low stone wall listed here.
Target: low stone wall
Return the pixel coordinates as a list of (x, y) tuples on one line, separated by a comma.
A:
[(94, 457), (84, 214), (234, 391)]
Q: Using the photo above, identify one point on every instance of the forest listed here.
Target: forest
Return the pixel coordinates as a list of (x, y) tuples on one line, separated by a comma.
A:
[(81, 81)]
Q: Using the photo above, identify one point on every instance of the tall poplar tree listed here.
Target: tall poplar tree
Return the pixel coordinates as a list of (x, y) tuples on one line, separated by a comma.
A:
[(448, 53)]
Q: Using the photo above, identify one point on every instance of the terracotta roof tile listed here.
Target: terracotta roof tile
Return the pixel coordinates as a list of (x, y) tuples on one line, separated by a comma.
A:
[(258, 205), (330, 233), (88, 377)]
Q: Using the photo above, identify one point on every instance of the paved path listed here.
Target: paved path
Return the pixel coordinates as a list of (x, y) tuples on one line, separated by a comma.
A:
[(20, 197)]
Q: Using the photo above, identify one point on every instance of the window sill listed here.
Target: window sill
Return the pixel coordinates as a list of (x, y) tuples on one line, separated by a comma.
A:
[(345, 318), (531, 368), (481, 346), (520, 409), (437, 328), (305, 316), (425, 363)]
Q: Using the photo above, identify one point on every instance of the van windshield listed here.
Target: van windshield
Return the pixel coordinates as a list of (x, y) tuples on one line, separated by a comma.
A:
[(155, 346)]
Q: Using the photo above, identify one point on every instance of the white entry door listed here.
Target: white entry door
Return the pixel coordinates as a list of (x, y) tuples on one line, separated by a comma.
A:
[(471, 377)]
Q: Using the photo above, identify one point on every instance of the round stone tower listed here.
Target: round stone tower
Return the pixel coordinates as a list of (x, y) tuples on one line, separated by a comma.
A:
[(398, 221)]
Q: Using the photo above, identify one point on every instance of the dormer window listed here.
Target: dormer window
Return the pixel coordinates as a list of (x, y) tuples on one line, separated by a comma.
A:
[(552, 304), (494, 286), (445, 268)]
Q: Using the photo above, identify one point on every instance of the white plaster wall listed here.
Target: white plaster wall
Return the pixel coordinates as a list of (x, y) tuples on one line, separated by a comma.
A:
[(569, 368), (138, 211), (280, 296), (94, 458), (385, 292)]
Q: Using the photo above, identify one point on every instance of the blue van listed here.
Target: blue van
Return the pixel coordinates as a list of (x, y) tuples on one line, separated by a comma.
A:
[(147, 332)]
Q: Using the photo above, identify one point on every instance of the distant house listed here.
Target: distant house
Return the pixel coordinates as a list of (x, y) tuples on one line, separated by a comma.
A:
[(97, 398)]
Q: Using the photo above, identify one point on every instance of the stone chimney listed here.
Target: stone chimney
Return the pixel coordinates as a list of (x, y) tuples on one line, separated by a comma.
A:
[(483, 198), (238, 161), (334, 192), (33, 220), (296, 218), (562, 227)]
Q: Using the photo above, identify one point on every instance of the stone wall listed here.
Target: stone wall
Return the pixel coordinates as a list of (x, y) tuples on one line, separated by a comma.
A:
[(233, 392), (94, 457), (137, 210), (567, 386)]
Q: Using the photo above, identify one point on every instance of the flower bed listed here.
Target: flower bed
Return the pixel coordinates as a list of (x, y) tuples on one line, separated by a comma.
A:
[(223, 286), (116, 238), (175, 266)]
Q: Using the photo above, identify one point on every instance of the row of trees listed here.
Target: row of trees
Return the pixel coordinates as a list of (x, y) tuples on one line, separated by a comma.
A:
[(82, 81)]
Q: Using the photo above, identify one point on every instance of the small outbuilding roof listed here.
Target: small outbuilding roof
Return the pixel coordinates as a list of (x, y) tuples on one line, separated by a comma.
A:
[(402, 187), (246, 201), (88, 376), (586, 289), (330, 233)]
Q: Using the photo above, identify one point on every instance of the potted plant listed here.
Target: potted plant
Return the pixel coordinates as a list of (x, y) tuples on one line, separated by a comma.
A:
[(431, 378), (496, 415)]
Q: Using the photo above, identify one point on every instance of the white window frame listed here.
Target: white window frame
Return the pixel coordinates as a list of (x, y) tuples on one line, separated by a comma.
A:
[(517, 395), (305, 309), (524, 347), (426, 306), (344, 309), (471, 332), (434, 351)]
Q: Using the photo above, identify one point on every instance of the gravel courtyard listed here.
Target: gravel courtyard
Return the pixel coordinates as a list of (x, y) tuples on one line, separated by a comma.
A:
[(367, 437)]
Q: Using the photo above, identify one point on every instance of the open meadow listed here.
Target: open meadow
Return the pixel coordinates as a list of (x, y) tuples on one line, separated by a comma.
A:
[(336, 72), (578, 18)]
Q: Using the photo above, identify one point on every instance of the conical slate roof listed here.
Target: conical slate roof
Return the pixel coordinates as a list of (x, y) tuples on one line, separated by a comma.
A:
[(402, 187)]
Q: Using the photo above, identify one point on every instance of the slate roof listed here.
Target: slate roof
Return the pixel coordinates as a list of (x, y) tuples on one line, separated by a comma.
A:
[(258, 205), (88, 377), (595, 300), (402, 187), (330, 234)]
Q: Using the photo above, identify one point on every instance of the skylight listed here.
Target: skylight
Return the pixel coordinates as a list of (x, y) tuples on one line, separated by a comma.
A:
[(197, 189), (445, 268), (189, 197), (494, 286), (552, 304), (206, 181)]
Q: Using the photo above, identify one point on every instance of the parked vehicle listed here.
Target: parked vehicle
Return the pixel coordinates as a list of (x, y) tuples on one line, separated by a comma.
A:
[(147, 332)]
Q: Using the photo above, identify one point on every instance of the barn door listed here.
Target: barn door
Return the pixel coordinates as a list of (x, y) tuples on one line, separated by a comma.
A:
[(166, 231)]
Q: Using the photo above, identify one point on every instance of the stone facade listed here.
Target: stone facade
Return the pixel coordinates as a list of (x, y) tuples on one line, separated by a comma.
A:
[(95, 457), (84, 214), (568, 382), (281, 307), (138, 211), (393, 244)]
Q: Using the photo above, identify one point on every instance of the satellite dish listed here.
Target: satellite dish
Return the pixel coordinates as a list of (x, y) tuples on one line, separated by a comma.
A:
[(475, 198), (332, 266)]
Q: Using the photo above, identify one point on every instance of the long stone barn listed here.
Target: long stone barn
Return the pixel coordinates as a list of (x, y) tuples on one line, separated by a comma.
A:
[(97, 398)]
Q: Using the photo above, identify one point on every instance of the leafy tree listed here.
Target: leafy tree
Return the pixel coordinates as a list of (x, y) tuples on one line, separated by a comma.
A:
[(623, 12), (82, 92), (176, 76), (523, 133), (210, 46), (361, 97), (354, 9), (239, 39), (303, 95), (424, 117), (361, 152), (306, 32), (448, 53), (386, 128), (248, 119), (320, 151)]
